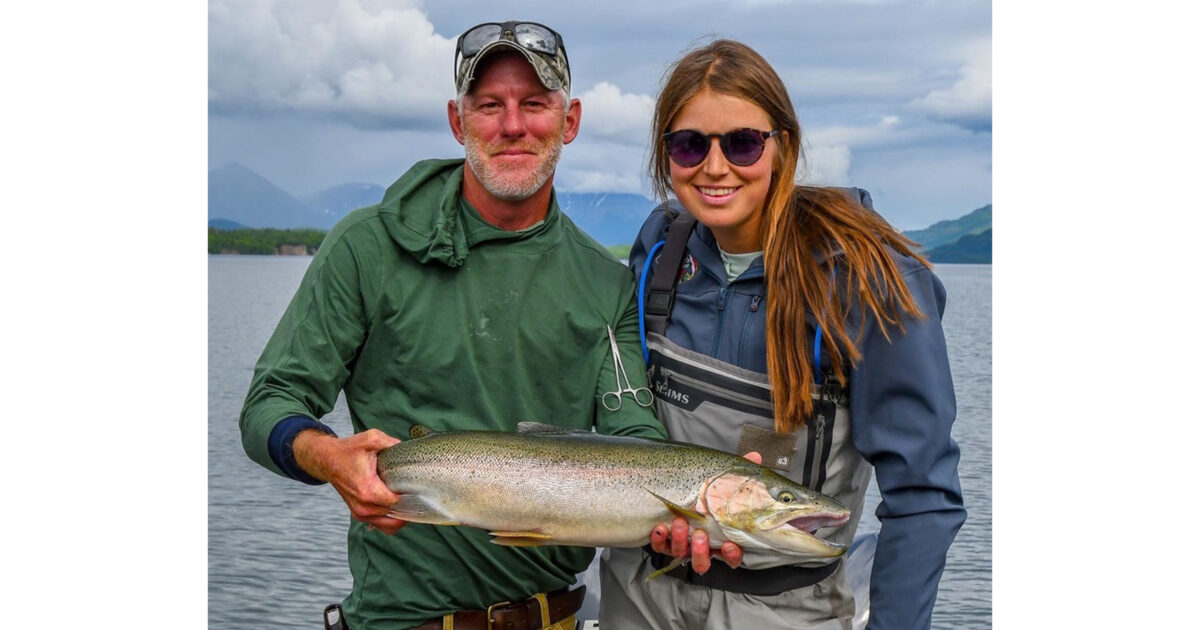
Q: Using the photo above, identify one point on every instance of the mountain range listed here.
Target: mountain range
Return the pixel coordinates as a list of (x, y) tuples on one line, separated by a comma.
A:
[(238, 198), (967, 239)]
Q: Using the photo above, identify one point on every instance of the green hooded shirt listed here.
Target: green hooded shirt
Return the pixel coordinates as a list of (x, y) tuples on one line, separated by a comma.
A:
[(423, 313)]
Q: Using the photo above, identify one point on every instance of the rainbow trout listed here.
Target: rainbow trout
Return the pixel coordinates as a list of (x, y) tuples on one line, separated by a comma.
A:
[(547, 485)]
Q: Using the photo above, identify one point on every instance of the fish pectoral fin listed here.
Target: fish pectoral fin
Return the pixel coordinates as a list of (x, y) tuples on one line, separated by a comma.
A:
[(674, 563), (679, 510), (412, 507), (520, 539)]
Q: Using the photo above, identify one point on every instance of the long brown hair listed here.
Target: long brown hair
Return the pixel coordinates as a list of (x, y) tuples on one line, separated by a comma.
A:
[(805, 232)]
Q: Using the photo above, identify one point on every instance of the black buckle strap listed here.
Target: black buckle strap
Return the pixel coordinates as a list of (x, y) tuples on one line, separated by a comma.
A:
[(771, 581), (660, 298)]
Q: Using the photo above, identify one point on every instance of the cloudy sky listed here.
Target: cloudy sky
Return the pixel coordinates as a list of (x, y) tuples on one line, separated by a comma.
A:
[(104, 149), (894, 95)]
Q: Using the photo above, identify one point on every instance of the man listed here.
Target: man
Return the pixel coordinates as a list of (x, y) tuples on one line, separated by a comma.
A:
[(464, 300)]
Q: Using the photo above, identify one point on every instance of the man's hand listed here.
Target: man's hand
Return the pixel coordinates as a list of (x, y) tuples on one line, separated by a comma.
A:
[(674, 540), (348, 464)]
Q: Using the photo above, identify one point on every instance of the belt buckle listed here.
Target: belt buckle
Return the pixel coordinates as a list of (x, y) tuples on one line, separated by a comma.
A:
[(489, 613)]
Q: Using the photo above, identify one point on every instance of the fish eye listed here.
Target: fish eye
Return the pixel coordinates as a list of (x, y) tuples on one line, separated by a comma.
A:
[(786, 497)]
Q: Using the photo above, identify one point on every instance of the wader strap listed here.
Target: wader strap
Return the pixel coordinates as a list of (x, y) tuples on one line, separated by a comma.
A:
[(662, 284), (761, 582)]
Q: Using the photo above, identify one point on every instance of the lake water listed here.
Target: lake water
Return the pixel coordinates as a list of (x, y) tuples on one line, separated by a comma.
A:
[(276, 547)]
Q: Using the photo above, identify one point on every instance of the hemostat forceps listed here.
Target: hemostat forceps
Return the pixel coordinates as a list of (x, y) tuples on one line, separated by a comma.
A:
[(613, 400)]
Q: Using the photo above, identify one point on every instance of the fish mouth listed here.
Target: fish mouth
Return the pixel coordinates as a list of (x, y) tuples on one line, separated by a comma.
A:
[(811, 523), (798, 533), (806, 520)]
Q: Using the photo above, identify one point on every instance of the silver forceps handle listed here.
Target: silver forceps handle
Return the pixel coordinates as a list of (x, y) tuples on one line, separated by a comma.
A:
[(613, 400)]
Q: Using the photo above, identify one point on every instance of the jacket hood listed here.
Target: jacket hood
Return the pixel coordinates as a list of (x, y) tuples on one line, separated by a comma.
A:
[(425, 215), (421, 212)]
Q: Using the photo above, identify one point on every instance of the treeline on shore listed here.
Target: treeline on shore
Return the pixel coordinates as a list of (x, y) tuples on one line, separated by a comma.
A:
[(264, 241), (975, 248), (298, 242)]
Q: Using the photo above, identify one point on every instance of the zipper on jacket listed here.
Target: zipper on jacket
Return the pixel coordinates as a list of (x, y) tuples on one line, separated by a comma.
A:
[(820, 434), (745, 347), (815, 439), (716, 351)]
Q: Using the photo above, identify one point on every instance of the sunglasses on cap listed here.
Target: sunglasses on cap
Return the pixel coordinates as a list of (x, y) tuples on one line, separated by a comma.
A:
[(530, 36), (742, 147)]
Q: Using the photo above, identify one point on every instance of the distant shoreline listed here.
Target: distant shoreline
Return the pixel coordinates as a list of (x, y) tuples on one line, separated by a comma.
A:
[(969, 249), (265, 241), (293, 242)]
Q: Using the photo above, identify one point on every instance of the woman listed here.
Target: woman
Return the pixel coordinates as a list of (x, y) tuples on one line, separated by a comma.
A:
[(800, 325)]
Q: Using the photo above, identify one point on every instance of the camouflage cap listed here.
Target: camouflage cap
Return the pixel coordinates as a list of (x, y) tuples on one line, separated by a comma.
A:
[(539, 44)]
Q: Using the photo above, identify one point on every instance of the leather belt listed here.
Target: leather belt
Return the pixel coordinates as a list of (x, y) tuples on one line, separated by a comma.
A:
[(526, 615), (771, 581)]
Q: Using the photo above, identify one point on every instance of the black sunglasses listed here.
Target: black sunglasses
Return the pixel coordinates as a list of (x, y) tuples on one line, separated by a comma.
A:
[(743, 147)]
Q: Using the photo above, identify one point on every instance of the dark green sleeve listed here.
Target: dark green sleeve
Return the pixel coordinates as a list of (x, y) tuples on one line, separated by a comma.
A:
[(309, 356)]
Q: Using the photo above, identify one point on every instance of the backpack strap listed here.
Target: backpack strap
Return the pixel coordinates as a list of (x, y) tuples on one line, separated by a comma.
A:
[(661, 298)]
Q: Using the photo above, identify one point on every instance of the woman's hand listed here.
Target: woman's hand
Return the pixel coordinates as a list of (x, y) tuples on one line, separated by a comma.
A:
[(674, 540)]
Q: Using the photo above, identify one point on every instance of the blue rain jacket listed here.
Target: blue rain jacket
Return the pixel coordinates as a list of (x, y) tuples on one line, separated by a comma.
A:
[(901, 400)]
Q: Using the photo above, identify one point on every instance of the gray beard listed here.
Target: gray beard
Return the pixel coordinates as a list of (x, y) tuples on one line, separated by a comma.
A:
[(504, 186)]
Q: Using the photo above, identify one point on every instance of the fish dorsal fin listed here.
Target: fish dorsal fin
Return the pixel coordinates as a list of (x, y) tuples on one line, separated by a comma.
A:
[(541, 427), (419, 431), (679, 510)]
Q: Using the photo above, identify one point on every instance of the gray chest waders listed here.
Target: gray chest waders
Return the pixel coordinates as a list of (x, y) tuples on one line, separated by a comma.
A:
[(710, 402)]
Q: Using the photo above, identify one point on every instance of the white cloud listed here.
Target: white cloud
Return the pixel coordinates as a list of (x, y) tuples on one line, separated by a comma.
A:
[(854, 135), (609, 155), (594, 164), (375, 67), (826, 165), (611, 114), (754, 4), (969, 101), (828, 150), (355, 90), (600, 181), (815, 85)]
